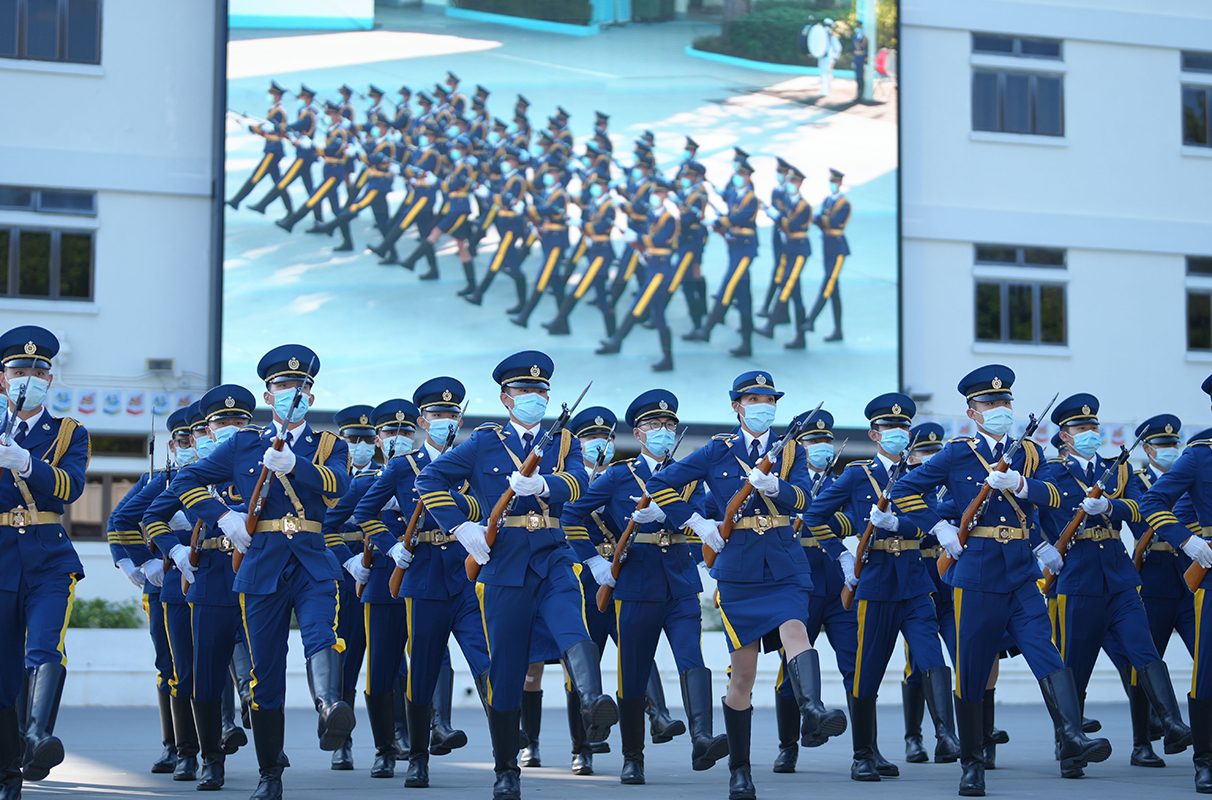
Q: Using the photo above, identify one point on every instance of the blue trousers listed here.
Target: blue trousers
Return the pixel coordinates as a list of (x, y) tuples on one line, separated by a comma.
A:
[(430, 624), (981, 622), (656, 292), (386, 626), (509, 251), (639, 624), (1201, 675), (1169, 614), (945, 614), (509, 613), (267, 625), (154, 610), (351, 627), (1086, 620), (36, 615), (879, 622), (602, 625), (179, 628), (734, 290), (214, 639)]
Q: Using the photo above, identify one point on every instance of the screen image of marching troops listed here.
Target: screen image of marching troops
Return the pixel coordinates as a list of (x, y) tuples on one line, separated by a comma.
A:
[(504, 197), (388, 528)]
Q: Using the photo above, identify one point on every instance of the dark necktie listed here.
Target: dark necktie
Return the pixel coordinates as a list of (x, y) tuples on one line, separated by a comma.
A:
[(755, 452), (998, 450), (22, 429), (1090, 473), (527, 441)]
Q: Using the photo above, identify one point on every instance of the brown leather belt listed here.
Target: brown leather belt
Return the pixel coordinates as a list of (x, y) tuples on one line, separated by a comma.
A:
[(895, 545), (1001, 533)]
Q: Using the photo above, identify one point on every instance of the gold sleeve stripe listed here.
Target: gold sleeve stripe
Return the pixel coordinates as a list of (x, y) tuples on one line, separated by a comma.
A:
[(328, 478), (473, 510), (1134, 508), (575, 529), (819, 531), (844, 523), (198, 492), (799, 498), (1195, 528), (1161, 518), (157, 528), (1054, 498), (425, 498), (373, 527)]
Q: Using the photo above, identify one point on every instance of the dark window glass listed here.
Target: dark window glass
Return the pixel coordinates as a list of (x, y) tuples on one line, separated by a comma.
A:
[(985, 102), (52, 200), (1040, 48), (6, 238), (1197, 62), (1195, 116), (16, 197), (988, 43), (83, 31), (8, 28), (1043, 257), (42, 29), (1052, 314), (1199, 265), (1049, 107), (75, 265), (993, 254), (989, 312), (33, 270), (1017, 103), (1020, 311), (1199, 321)]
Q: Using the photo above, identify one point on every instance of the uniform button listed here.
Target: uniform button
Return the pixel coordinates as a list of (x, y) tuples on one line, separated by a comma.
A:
[(494, 469), (969, 477), (725, 474), (1003, 519)]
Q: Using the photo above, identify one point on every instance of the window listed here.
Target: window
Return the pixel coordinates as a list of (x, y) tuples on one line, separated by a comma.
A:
[(1195, 116), (1196, 62), (50, 201), (1199, 265), (1006, 101), (46, 264), (1018, 46), (1016, 312), (1009, 255), (51, 30), (1199, 306)]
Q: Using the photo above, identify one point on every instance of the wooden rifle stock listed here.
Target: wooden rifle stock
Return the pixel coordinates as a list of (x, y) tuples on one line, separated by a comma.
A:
[(1195, 575), (254, 514), (860, 556), (1066, 537), (195, 553), (1142, 547), (968, 521), (397, 574)]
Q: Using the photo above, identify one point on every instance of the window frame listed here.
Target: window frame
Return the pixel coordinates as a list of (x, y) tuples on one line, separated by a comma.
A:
[(1206, 90), (1016, 46), (1201, 292), (36, 207), (1003, 303), (1182, 62), (55, 268), (1033, 76), (1020, 256), (62, 18)]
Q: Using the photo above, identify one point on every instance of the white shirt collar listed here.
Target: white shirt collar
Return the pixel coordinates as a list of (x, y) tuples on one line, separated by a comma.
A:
[(652, 462), (29, 423), (523, 430), (296, 433), (748, 438), (433, 451), (989, 440), (887, 462)]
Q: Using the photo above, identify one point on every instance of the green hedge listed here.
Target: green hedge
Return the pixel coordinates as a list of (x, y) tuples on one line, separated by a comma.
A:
[(100, 613), (570, 12)]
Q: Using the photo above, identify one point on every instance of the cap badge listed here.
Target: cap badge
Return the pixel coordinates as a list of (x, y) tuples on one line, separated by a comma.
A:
[(664, 406), (896, 408), (446, 395), (820, 424), (400, 416), (996, 383), (1086, 410), (293, 363), (230, 402), (1169, 428), (599, 421), (534, 371), (30, 348), (364, 419), (934, 437), (761, 380)]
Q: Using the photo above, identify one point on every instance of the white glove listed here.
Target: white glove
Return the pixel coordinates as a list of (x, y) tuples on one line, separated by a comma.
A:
[(180, 556), (651, 513), (399, 554), (765, 483), (14, 456), (1096, 505), (471, 536), (354, 567), (708, 530), (1004, 481), (885, 520), (280, 461), (131, 572), (1198, 551), (303, 142), (481, 192), (630, 236), (528, 486), (393, 168), (268, 127), (234, 525), (846, 561), (773, 214), (948, 536), (179, 522), (519, 206), (153, 569), (1050, 557), (392, 504), (600, 568), (472, 161)]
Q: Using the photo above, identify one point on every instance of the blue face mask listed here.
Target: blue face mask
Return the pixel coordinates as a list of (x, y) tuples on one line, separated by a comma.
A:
[(225, 433), (894, 441), (494, 137), (282, 401), (186, 456), (423, 141), (439, 430), (759, 417), (659, 442), (998, 420), (452, 131), (34, 395), (738, 181), (1086, 443), (595, 447), (585, 160), (654, 201), (1166, 456), (536, 151), (782, 177), (684, 183), (636, 173), (529, 408), (455, 155), (511, 128), (204, 446), (549, 180), (595, 190), (819, 455), (397, 445), (361, 453)]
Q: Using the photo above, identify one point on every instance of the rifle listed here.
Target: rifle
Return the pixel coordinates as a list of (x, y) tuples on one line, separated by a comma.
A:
[(12, 418), (625, 541), (977, 507), (265, 479), (1078, 523), (528, 468), (195, 553), (1142, 549), (798, 525), (597, 462), (397, 574), (367, 553), (860, 556), (738, 504)]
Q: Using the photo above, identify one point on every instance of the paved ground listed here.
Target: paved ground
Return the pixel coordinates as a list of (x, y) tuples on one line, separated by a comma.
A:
[(110, 750)]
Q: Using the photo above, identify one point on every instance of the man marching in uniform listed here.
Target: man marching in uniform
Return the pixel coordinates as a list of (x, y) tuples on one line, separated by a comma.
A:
[(272, 130), (835, 213), (43, 461), (791, 223), (528, 571), (287, 566), (994, 575)]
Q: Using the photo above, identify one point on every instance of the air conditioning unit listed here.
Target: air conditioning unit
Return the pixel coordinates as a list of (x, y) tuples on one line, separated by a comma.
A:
[(161, 364)]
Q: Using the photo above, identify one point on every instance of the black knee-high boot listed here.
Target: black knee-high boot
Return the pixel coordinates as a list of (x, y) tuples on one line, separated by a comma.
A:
[(167, 761), (469, 272), (666, 363), (43, 750), (615, 343), (11, 745), (862, 733), (519, 285), (597, 710), (703, 333), (522, 316), (970, 718), (1154, 678), (186, 733), (1138, 709), (424, 249), (336, 722), (445, 737), (820, 724), (787, 714), (476, 296), (937, 685), (269, 730), (1200, 712), (503, 727), (380, 710), (1076, 749), (582, 752), (420, 718), (631, 731), (532, 723), (745, 348), (706, 748), (913, 703), (208, 719), (739, 725), (342, 757)]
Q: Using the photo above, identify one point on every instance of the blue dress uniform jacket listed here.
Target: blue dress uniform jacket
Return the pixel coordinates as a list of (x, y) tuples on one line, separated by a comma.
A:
[(238, 461), (214, 577), (835, 213), (137, 510), (827, 578), (651, 572), (1161, 575), (1092, 567), (127, 543), (986, 565), (273, 141), (486, 460), (886, 575), (337, 523)]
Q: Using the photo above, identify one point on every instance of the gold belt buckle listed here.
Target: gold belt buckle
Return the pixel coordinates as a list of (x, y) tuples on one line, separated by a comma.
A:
[(19, 517), (534, 521), (1098, 534), (1004, 533), (607, 549), (762, 523), (290, 526), (894, 545), (225, 543), (441, 537), (663, 538)]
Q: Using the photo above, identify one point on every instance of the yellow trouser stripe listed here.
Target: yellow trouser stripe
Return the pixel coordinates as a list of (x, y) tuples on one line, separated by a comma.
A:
[(552, 258), (366, 617), (408, 647), (487, 641), (67, 617), (858, 655), (681, 272), (362, 178), (631, 265), (780, 270), (261, 168), (1199, 614), (172, 682), (732, 637), (319, 195), (340, 643), (501, 250), (735, 279), (291, 174), (252, 673), (837, 270), (587, 280), (1061, 613), (795, 276), (957, 602), (365, 201), (653, 284), (412, 212)]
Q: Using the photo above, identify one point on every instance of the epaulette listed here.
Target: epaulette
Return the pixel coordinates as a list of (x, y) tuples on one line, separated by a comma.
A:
[(1200, 441), (960, 439), (252, 429), (1057, 460), (860, 462), (724, 437), (490, 426)]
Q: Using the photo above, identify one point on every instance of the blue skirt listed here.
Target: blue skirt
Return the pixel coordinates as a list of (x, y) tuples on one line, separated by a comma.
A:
[(753, 611)]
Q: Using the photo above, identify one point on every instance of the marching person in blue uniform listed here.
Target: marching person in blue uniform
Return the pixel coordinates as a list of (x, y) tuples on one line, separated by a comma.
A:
[(422, 171), (1189, 475), (692, 206), (994, 576), (43, 467), (438, 599), (304, 127), (835, 213), (1098, 591), (288, 565), (335, 155), (597, 222), (762, 574), (777, 272), (893, 592), (272, 130), (792, 218), (456, 212), (509, 215), (528, 571), (738, 227), (658, 588), (549, 215)]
